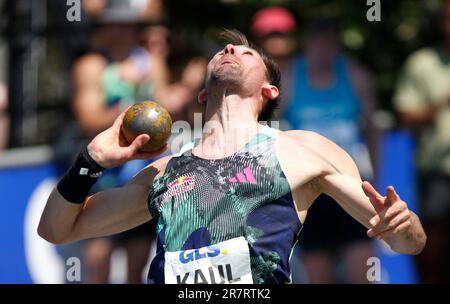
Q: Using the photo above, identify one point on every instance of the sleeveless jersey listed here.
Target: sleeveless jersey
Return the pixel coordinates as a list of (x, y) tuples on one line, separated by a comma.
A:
[(201, 202)]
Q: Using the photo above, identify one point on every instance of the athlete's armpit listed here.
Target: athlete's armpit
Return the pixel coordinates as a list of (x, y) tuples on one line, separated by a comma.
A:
[(327, 168)]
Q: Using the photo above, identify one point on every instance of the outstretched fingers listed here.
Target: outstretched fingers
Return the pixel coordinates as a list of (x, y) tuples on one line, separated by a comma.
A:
[(400, 228), (392, 218), (375, 198), (391, 196)]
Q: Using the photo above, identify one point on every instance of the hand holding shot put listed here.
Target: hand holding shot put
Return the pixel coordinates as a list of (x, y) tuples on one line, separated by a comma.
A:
[(71, 214), (129, 136)]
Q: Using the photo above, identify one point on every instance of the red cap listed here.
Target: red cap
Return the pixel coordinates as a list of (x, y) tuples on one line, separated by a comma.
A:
[(273, 19)]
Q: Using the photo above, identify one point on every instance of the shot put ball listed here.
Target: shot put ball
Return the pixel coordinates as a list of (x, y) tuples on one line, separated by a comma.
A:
[(147, 117)]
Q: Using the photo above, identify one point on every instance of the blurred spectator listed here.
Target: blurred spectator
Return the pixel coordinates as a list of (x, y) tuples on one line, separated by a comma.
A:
[(275, 31), (149, 9), (4, 117), (103, 89), (325, 92), (422, 100), (118, 85), (180, 97)]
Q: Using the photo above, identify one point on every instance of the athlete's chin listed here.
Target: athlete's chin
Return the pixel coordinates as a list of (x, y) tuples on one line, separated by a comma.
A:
[(227, 70), (227, 76)]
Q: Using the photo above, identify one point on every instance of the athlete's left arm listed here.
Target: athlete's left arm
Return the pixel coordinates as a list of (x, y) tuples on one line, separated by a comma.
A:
[(386, 217)]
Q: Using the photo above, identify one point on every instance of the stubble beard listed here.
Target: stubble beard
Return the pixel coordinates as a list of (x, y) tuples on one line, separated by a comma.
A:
[(227, 76)]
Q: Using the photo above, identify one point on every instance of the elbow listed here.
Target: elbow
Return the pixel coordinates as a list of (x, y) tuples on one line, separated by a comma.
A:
[(48, 234)]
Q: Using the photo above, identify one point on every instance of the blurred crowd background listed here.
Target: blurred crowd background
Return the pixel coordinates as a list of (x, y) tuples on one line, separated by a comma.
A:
[(380, 89)]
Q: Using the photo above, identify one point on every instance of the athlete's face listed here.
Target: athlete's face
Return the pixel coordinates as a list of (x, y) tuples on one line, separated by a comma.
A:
[(237, 65)]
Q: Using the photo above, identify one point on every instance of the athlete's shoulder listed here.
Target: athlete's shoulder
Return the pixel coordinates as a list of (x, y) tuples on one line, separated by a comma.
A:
[(303, 137), (317, 148), (159, 164), (162, 162), (150, 172)]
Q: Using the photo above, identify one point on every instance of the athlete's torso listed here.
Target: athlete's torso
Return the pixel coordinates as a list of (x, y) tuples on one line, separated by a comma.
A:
[(243, 197)]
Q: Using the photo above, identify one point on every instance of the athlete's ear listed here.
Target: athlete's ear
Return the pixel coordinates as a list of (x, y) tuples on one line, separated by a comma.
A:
[(270, 91), (202, 96)]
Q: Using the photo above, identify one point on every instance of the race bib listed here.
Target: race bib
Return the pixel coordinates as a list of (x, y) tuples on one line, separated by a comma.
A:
[(227, 262)]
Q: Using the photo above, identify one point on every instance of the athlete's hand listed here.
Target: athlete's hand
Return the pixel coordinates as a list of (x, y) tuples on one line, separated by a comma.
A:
[(110, 149), (393, 216)]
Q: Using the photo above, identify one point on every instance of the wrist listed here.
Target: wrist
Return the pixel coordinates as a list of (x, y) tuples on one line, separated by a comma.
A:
[(81, 176), (92, 159), (95, 157)]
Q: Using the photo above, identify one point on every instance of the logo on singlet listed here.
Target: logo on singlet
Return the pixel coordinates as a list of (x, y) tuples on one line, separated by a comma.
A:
[(180, 185), (224, 262), (187, 256), (246, 176)]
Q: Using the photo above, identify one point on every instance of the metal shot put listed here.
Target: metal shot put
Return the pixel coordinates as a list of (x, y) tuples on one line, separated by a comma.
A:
[(149, 118)]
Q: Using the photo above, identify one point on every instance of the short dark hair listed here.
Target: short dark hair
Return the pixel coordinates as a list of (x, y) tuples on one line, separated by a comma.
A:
[(273, 74)]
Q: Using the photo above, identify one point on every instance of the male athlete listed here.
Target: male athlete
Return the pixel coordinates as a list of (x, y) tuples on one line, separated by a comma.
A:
[(229, 205)]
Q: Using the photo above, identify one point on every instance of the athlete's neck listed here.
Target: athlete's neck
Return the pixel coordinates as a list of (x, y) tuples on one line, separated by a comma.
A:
[(231, 122)]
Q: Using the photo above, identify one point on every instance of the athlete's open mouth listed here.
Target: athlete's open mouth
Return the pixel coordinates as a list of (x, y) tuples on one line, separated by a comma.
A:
[(228, 62)]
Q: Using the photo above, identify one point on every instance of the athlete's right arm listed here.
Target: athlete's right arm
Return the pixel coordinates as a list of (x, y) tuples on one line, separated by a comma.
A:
[(106, 212)]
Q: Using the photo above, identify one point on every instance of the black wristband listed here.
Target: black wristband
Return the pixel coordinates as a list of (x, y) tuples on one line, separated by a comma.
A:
[(78, 180)]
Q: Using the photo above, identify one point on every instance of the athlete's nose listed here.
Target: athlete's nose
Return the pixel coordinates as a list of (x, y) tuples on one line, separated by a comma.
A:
[(229, 49)]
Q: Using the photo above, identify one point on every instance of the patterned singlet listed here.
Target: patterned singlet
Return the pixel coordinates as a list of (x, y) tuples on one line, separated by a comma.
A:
[(202, 202)]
